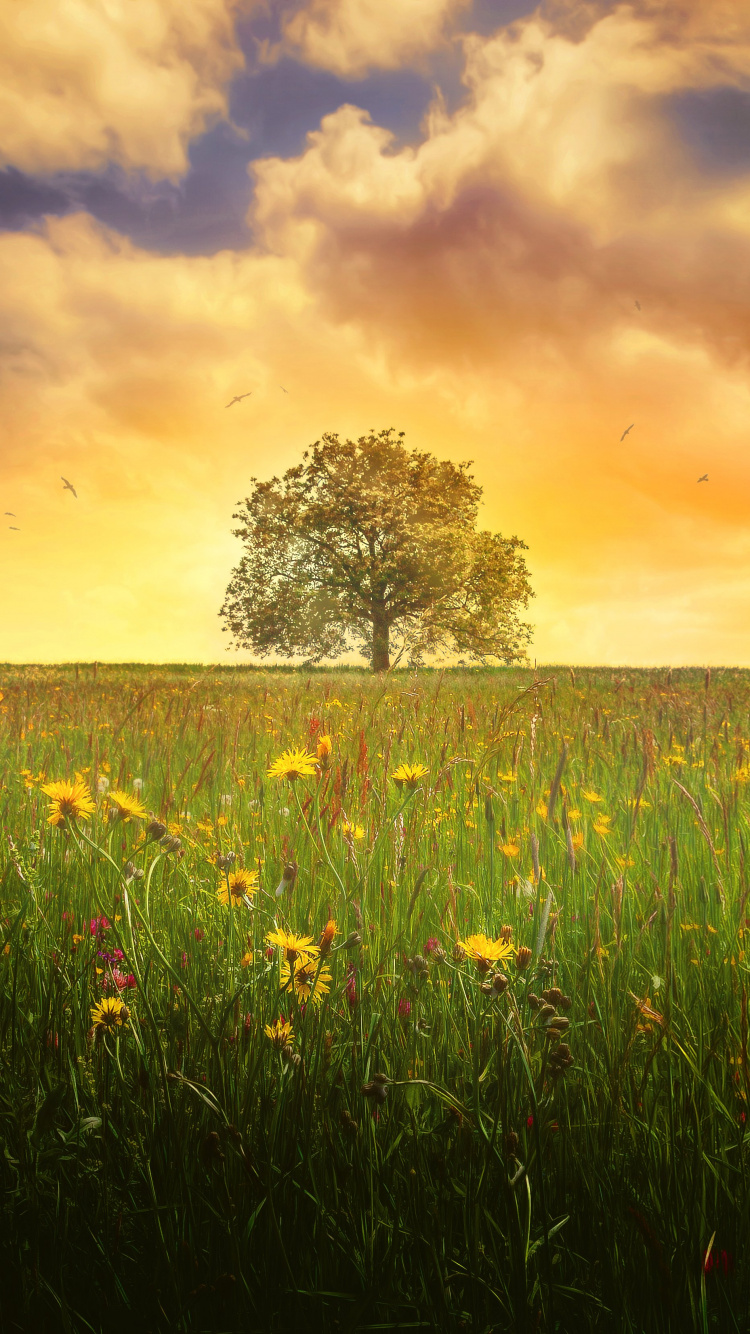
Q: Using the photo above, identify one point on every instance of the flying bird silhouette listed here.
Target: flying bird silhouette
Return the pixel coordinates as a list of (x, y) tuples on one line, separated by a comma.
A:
[(12, 528), (286, 391), (704, 478), (622, 437), (68, 486), (239, 397), (637, 305), (10, 515)]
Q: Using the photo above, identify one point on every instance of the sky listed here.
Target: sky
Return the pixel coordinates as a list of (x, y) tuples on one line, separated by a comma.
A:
[(509, 231)]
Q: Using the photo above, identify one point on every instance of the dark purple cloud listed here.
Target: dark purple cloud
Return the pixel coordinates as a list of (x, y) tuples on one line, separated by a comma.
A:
[(715, 124)]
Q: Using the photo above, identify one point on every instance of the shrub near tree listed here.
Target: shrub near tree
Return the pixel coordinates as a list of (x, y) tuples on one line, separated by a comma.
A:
[(375, 547)]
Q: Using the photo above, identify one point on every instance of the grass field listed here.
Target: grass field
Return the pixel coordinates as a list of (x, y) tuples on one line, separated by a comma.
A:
[(395, 1129)]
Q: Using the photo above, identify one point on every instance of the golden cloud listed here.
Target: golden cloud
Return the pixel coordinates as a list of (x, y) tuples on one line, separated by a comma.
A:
[(131, 82), (351, 37)]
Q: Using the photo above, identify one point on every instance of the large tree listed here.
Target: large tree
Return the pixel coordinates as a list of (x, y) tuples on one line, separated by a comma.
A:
[(372, 546)]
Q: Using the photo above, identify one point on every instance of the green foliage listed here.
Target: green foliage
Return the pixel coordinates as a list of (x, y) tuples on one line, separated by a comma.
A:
[(370, 546), (181, 1173)]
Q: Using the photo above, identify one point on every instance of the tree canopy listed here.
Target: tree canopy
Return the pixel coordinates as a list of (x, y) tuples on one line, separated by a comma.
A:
[(372, 546)]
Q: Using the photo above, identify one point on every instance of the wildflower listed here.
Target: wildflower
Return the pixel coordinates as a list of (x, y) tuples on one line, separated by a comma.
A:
[(238, 889), (510, 849), (484, 951), (353, 831), (323, 750), (68, 801), (108, 1014), (592, 796), (306, 980), (404, 1009), (124, 807), (431, 945), (506, 932), (327, 937), (102, 783), (98, 925), (198, 933), (280, 1033), (288, 878), (409, 776), (523, 958), (246, 959), (294, 946), (293, 764)]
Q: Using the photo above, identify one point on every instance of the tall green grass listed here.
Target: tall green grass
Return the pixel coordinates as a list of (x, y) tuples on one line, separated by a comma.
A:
[(186, 1175)]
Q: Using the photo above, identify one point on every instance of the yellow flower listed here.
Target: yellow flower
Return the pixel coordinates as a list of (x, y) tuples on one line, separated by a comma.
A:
[(353, 830), (510, 777), (541, 809), (324, 747), (294, 946), (246, 959), (280, 1033), (109, 1013), (238, 887), (600, 827), (510, 849), (124, 807), (624, 862), (574, 814), (409, 775), (484, 951), (328, 933), (577, 840), (592, 796), (303, 980), (293, 764), (68, 801)]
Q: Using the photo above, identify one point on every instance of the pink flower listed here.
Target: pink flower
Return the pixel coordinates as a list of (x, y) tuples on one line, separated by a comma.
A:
[(404, 1009), (431, 945), (529, 1122), (184, 959), (351, 986), (198, 933)]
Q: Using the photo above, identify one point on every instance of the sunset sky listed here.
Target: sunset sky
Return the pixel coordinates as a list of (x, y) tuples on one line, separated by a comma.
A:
[(436, 215)]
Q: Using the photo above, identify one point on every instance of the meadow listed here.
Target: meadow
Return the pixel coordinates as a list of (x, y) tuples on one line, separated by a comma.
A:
[(463, 1049)]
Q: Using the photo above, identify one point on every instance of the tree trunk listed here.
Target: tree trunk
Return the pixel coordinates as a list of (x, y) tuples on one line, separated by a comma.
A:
[(380, 656)]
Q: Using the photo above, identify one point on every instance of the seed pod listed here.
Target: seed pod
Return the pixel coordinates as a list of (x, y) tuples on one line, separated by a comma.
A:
[(552, 995), (533, 1001), (547, 1012), (499, 984)]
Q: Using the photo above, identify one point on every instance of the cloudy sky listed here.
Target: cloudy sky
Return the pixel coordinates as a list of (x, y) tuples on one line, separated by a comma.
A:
[(437, 215)]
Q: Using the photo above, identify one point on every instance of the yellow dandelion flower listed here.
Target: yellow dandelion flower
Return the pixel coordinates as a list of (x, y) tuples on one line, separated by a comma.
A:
[(301, 978), (294, 946), (353, 831), (324, 747), (409, 776), (280, 1033), (484, 951), (592, 796), (110, 1013), (124, 807), (68, 801), (293, 764), (238, 887)]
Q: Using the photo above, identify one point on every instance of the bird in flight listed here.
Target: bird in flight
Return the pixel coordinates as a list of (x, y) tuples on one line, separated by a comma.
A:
[(10, 515), (12, 528), (286, 391), (637, 305), (622, 437), (704, 478), (68, 486), (239, 397)]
